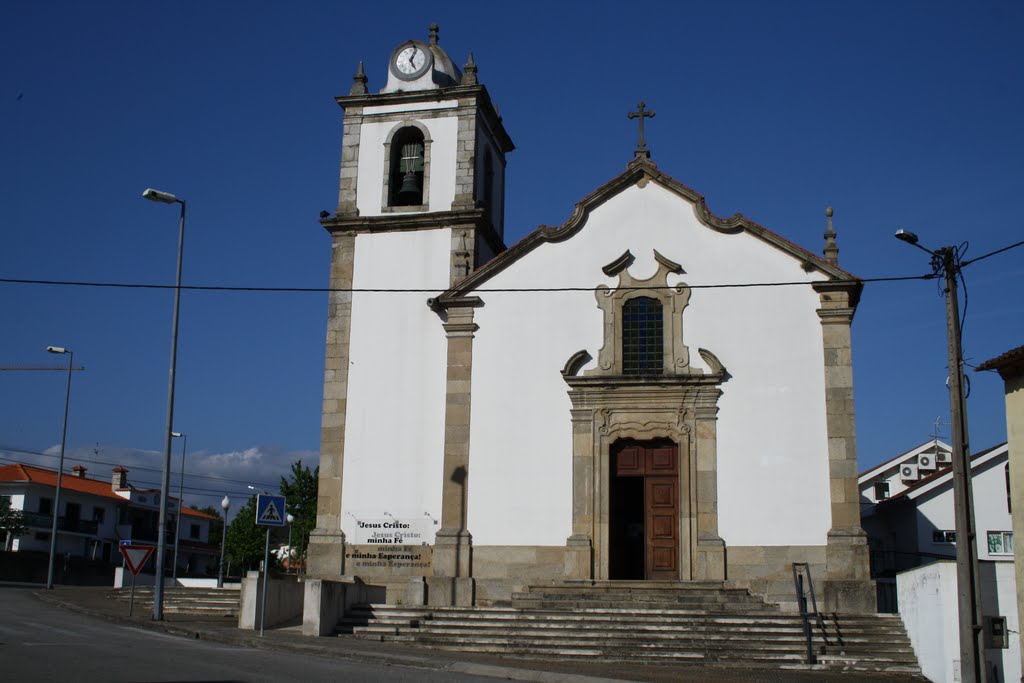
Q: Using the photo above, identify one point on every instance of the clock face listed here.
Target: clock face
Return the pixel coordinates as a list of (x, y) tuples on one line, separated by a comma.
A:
[(411, 61)]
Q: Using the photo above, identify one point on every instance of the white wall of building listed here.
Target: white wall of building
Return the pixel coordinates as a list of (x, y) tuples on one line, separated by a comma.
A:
[(928, 605), (988, 482), (394, 434), (927, 600), (771, 426), (372, 164)]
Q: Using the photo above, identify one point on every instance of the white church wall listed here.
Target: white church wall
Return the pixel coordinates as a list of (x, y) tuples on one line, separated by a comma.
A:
[(771, 426), (394, 436), (372, 164)]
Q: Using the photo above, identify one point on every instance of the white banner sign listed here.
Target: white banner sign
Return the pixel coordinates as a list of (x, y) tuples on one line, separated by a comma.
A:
[(392, 531)]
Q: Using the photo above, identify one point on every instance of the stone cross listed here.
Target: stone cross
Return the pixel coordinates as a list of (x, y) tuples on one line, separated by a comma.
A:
[(641, 149)]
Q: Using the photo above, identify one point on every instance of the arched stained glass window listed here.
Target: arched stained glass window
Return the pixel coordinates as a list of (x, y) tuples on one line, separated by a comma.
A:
[(642, 337)]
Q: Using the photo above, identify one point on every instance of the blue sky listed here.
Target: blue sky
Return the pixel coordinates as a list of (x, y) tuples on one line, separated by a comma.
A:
[(899, 115)]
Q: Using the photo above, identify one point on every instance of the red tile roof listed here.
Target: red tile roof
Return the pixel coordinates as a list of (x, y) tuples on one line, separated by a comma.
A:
[(71, 482), (46, 477), (192, 512)]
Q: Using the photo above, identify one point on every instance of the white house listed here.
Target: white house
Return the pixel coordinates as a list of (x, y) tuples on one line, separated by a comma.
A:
[(96, 515), (908, 507), (908, 515), (588, 404)]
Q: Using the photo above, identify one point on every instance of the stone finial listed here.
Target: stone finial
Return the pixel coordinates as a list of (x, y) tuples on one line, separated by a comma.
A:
[(433, 34), (469, 72), (831, 250), (359, 81)]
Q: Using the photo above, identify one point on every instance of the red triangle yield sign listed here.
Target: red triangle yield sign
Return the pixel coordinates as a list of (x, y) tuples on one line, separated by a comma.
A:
[(135, 556)]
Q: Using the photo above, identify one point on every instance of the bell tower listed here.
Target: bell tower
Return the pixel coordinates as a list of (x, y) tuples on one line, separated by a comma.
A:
[(426, 152), (420, 206)]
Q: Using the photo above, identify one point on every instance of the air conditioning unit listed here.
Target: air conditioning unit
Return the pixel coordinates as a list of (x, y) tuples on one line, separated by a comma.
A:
[(909, 473), (925, 462), (942, 457)]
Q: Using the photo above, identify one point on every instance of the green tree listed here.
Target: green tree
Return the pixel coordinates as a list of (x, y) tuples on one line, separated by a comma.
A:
[(246, 541), (12, 522), (299, 491)]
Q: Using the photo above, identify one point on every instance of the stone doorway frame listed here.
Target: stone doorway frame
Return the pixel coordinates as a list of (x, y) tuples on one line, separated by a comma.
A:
[(681, 408)]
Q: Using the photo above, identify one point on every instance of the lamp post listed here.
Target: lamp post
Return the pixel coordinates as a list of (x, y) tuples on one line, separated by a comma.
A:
[(181, 486), (225, 504), (290, 518), (60, 465), (165, 472), (972, 661)]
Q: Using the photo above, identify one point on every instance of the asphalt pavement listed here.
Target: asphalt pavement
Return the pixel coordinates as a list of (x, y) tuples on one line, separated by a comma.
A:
[(97, 603)]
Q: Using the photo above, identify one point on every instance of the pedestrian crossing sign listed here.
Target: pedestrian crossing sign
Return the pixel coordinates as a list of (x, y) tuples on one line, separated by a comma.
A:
[(270, 510)]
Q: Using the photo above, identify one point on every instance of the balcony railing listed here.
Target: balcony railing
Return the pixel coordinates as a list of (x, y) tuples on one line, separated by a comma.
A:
[(76, 526)]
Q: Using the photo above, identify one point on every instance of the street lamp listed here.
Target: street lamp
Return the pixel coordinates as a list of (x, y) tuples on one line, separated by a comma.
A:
[(290, 518), (181, 486), (972, 662), (225, 504), (165, 472), (60, 465)]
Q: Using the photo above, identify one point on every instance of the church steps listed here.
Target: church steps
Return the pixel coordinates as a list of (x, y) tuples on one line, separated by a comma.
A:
[(760, 635), (759, 639)]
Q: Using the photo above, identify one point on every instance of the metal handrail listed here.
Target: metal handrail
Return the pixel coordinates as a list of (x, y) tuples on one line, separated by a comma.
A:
[(801, 569)]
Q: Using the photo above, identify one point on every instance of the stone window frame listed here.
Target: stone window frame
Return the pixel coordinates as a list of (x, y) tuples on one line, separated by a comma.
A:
[(386, 206), (674, 300)]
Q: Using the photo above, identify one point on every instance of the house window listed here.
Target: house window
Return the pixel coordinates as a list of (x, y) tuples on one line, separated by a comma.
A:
[(407, 168), (45, 506), (642, 337), (98, 515), (943, 537), (194, 531), (881, 490), (1000, 543)]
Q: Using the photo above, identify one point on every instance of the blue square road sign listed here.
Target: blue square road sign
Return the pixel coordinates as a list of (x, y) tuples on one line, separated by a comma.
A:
[(270, 510)]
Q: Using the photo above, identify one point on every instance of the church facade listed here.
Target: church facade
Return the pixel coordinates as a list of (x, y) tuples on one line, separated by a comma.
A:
[(589, 404)]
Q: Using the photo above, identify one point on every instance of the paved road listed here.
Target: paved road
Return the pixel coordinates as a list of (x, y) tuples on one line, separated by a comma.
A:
[(41, 642)]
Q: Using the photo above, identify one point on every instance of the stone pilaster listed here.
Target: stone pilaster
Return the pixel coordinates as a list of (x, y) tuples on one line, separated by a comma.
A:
[(349, 163), (710, 560), (451, 562), (579, 551), (465, 156), (325, 556), (848, 586)]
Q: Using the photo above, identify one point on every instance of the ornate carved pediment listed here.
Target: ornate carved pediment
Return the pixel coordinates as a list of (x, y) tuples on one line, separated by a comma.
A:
[(673, 299)]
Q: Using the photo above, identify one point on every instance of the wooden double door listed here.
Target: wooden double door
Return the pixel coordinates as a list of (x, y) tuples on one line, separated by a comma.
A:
[(644, 510)]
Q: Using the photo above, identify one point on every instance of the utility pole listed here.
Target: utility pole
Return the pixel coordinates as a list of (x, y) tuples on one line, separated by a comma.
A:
[(968, 584), (972, 647)]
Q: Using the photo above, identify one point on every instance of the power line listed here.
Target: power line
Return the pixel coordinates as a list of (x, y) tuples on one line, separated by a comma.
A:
[(991, 253), (414, 290)]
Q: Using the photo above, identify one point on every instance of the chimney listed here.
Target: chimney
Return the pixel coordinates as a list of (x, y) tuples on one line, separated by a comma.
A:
[(120, 479), (78, 471)]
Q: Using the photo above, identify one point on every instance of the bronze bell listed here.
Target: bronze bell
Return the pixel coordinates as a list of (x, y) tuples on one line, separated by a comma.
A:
[(410, 192)]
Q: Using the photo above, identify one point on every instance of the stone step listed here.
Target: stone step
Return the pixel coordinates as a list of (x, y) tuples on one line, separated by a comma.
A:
[(776, 636)]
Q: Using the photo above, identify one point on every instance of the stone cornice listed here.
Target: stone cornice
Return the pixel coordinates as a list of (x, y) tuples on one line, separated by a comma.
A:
[(641, 171), (643, 385), (461, 302), (402, 222), (851, 287)]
